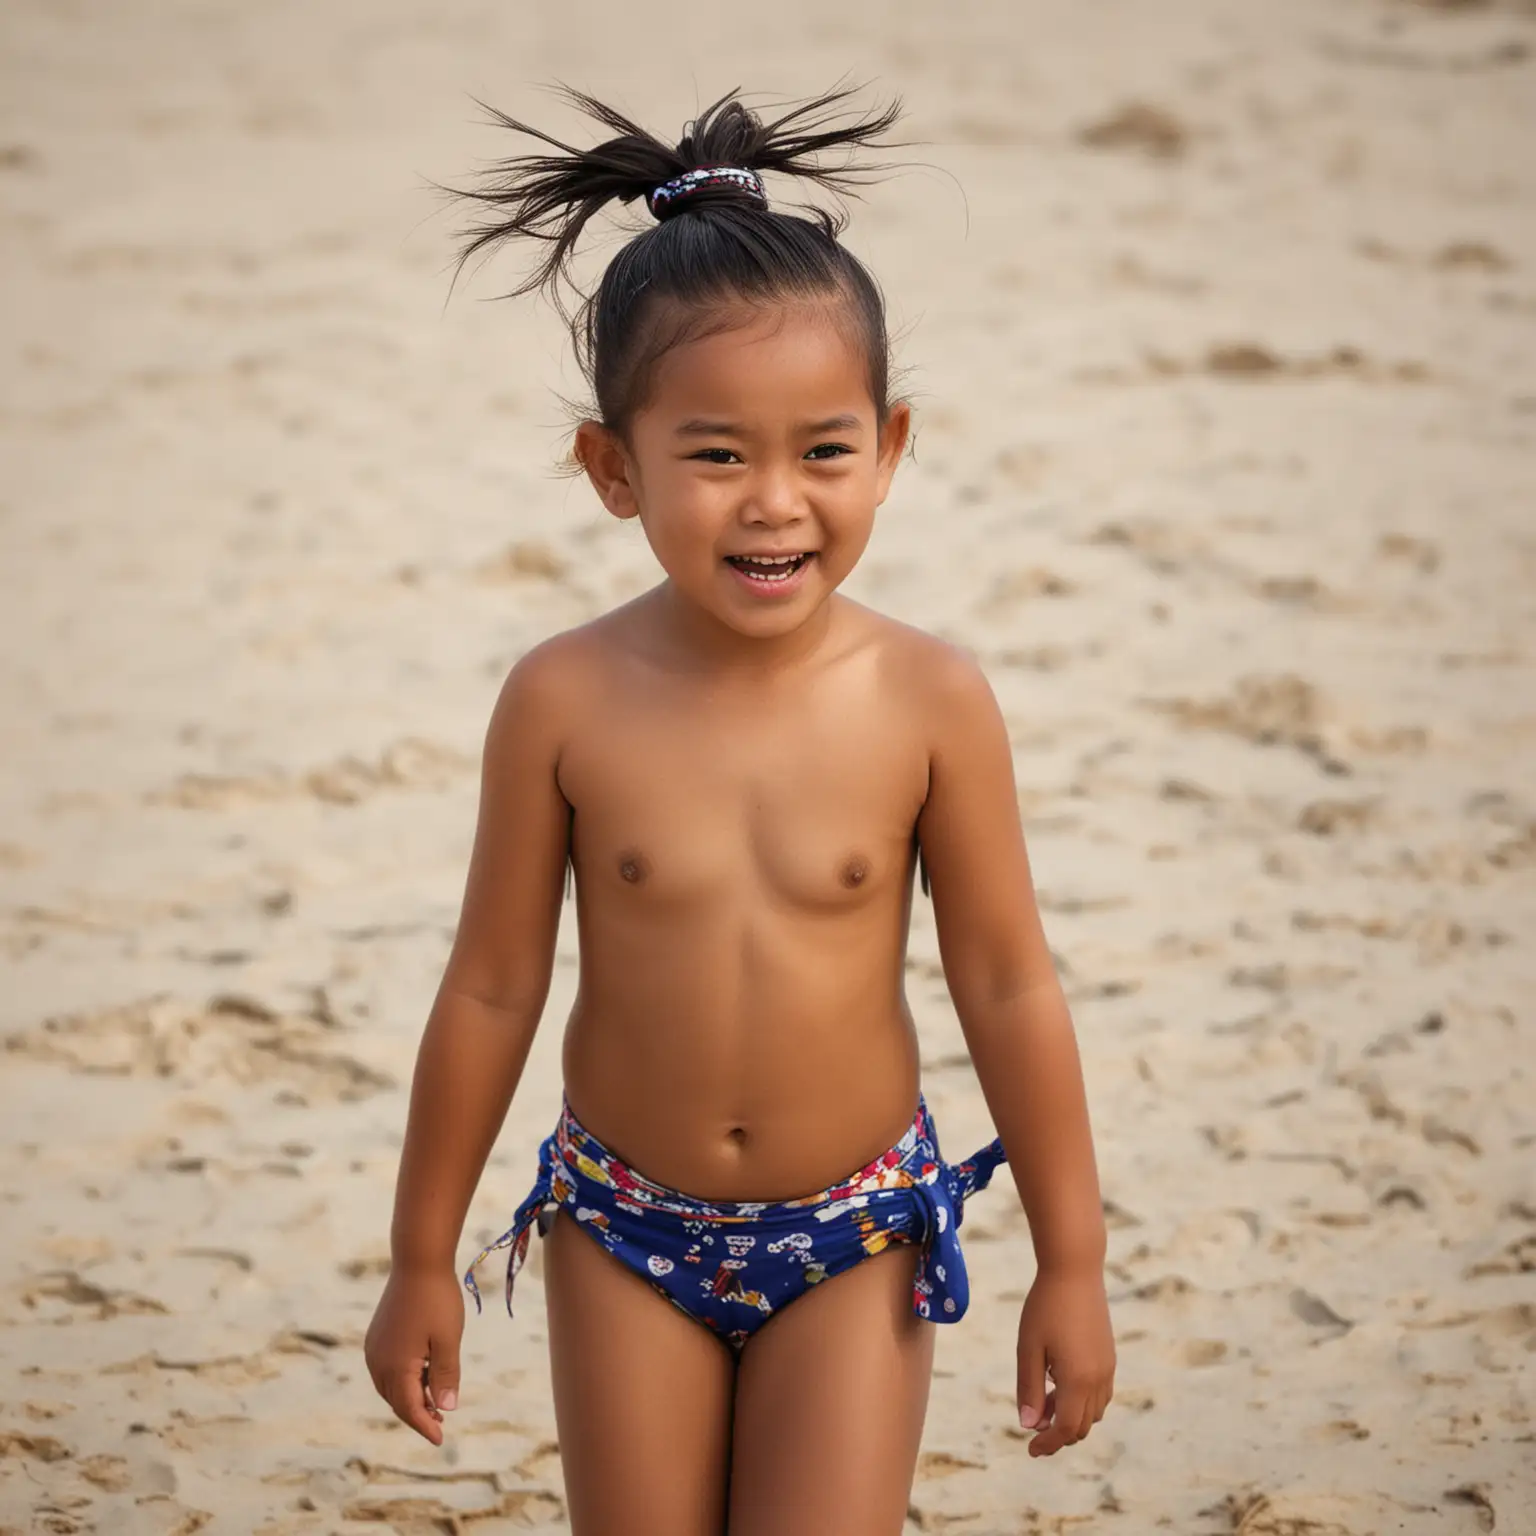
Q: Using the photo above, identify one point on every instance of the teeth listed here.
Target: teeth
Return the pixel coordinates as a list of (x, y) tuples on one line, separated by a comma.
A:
[(768, 568)]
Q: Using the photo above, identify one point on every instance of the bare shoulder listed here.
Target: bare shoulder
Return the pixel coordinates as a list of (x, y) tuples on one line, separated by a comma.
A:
[(546, 687), (942, 682)]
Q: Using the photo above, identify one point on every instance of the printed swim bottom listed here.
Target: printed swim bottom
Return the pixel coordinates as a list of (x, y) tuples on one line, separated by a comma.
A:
[(731, 1265)]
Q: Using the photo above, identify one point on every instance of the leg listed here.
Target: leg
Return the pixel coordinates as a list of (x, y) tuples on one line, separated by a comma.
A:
[(642, 1398), (830, 1399)]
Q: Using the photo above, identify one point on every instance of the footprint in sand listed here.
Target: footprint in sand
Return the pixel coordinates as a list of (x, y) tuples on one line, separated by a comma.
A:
[(932, 1464), (230, 1038), (1013, 588), (1138, 127), (1514, 1258), (21, 1447), (1382, 1107), (1301, 592), (1316, 1313), (65, 1483), (1419, 553), (1253, 360), (521, 561), (1470, 256), (1196, 1353), (412, 763), (1328, 818), (372, 1266), (543, 1461), (63, 1296), (1310, 1514), (1340, 1432), (1500, 55), (1454, 256), (109, 1473), (1129, 271), (1267, 710), (1165, 549), (1034, 658), (1476, 1497), (412, 1515)]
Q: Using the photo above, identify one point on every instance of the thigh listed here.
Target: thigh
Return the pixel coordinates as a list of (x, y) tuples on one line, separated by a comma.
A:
[(642, 1398), (830, 1399)]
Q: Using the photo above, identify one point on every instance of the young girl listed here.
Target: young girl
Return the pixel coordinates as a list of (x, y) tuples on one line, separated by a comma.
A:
[(749, 1228)]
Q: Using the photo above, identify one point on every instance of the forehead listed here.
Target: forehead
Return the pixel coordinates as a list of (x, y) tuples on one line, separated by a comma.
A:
[(801, 360)]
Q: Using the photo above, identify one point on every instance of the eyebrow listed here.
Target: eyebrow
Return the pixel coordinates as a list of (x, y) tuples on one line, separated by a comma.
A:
[(700, 427)]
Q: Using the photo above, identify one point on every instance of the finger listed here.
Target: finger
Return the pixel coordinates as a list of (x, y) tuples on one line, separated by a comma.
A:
[(426, 1390), (375, 1374), (1075, 1414), (443, 1373), (1032, 1409), (1046, 1427), (408, 1397), (1065, 1421), (1049, 1442)]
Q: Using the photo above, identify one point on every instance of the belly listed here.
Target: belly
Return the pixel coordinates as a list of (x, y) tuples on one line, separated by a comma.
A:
[(759, 1060)]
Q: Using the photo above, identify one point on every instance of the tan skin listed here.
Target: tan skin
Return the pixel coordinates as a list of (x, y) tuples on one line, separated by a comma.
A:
[(741, 779)]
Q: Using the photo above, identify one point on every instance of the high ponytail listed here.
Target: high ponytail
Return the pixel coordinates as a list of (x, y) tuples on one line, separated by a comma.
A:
[(716, 246)]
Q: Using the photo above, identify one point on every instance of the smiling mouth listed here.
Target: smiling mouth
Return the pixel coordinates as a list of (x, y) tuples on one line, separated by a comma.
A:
[(769, 568)]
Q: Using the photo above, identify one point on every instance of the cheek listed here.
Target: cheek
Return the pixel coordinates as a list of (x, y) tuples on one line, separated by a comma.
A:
[(686, 518), (854, 535), (854, 501)]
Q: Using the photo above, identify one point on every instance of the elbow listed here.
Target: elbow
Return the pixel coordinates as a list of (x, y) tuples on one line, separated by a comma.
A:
[(518, 1000), (1007, 994)]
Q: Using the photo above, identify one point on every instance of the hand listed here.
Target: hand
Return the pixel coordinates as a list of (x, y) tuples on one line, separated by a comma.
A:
[(412, 1348), (1064, 1332)]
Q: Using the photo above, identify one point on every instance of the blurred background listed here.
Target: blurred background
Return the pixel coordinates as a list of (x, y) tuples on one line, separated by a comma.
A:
[(1218, 321)]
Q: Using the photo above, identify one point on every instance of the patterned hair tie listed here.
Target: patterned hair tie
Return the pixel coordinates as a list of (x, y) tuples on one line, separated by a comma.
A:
[(670, 196)]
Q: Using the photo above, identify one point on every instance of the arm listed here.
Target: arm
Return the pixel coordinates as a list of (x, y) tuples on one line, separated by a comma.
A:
[(477, 1039), (1019, 1031)]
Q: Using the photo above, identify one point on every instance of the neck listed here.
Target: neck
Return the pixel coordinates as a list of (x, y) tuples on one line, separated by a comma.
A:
[(715, 647)]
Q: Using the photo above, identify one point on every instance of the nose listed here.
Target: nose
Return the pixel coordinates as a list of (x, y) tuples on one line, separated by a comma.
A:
[(773, 499)]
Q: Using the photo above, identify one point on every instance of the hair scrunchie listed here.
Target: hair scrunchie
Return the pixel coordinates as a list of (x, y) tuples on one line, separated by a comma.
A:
[(671, 196)]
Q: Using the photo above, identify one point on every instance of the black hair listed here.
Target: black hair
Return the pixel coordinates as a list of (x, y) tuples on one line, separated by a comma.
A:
[(721, 247)]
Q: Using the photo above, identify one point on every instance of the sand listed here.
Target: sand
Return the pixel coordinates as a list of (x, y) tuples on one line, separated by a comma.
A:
[(1220, 322)]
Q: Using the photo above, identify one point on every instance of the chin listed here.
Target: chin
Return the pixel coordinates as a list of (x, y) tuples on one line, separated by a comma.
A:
[(770, 626)]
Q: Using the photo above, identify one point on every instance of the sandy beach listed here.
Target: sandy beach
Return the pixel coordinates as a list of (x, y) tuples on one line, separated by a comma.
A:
[(1220, 327)]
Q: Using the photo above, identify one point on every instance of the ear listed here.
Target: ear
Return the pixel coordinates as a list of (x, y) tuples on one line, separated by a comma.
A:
[(606, 462), (893, 443)]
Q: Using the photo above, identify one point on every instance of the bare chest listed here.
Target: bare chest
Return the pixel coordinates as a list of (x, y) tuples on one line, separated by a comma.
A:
[(813, 806)]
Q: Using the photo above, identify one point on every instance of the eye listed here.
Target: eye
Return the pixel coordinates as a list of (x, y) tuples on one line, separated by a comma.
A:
[(829, 451), (715, 456)]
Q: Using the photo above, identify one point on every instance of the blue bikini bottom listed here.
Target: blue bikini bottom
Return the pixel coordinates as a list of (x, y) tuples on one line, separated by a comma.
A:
[(731, 1265)]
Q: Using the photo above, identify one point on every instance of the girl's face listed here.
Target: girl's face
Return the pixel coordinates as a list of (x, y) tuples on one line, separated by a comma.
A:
[(755, 466)]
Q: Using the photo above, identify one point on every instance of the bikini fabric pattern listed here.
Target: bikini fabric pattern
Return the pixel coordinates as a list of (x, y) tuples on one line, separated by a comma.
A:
[(732, 1265)]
